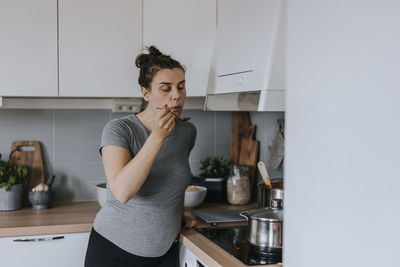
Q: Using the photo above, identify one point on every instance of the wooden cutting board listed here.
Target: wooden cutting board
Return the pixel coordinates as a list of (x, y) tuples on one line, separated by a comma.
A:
[(240, 126), (249, 156), (251, 133), (249, 151), (33, 158)]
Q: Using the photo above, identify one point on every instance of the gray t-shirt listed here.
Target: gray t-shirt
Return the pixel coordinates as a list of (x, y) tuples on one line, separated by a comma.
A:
[(150, 221)]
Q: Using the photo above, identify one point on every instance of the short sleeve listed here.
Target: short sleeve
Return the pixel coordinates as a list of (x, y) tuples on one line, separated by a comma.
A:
[(115, 133)]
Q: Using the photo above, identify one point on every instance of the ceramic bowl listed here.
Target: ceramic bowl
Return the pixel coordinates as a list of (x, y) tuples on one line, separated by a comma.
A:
[(101, 193), (41, 200), (194, 196)]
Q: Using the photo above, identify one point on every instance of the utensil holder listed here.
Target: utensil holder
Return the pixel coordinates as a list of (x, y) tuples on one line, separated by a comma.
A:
[(265, 195)]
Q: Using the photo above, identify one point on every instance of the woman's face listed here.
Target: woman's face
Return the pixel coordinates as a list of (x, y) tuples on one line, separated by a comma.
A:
[(167, 87)]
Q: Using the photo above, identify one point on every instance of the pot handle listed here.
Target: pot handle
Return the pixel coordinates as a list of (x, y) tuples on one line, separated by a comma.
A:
[(244, 214)]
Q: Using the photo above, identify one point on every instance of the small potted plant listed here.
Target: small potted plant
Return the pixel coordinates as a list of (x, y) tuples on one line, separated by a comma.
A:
[(11, 185), (214, 167), (214, 171)]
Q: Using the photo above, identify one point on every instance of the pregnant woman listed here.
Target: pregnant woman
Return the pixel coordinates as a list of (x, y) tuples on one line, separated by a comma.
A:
[(145, 158)]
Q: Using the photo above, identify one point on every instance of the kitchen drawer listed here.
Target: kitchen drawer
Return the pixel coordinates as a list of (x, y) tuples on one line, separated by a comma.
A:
[(66, 252), (187, 258)]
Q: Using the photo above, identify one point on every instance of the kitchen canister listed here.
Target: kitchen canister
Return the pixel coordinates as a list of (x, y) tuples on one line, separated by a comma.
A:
[(238, 185)]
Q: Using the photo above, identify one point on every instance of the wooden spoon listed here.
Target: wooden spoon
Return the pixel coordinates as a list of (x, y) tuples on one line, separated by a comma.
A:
[(264, 174)]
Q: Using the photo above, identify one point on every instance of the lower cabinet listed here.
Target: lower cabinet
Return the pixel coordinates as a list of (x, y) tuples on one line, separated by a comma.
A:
[(53, 251), (187, 258)]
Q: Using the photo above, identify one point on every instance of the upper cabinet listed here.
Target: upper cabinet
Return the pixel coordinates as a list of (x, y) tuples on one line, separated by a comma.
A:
[(98, 43), (87, 48), (249, 56), (185, 29), (28, 48)]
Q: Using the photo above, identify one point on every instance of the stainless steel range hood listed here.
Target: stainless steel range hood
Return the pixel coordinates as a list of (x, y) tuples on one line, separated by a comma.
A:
[(246, 101)]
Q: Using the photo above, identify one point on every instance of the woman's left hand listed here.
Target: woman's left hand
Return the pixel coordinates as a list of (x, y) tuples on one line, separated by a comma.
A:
[(188, 222)]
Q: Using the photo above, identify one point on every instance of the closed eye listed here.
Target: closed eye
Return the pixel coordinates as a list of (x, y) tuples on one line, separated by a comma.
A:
[(181, 85), (165, 88)]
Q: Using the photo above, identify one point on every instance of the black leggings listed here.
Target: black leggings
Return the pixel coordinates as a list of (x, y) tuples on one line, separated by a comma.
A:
[(103, 253)]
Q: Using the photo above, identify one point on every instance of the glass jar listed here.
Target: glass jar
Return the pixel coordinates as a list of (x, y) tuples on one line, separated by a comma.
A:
[(238, 185)]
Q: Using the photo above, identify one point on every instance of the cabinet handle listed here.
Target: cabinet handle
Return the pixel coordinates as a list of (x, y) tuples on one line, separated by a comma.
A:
[(39, 239)]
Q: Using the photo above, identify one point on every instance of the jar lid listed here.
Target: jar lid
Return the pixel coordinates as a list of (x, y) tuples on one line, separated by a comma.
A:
[(266, 214)]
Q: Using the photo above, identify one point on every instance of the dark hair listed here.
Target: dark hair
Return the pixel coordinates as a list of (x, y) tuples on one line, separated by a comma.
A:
[(152, 62)]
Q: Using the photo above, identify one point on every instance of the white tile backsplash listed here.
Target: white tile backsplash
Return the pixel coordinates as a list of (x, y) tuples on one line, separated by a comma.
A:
[(81, 117), (70, 140), (80, 171), (88, 153), (25, 131), (223, 125), (25, 117), (222, 149), (73, 134), (200, 149), (266, 128)]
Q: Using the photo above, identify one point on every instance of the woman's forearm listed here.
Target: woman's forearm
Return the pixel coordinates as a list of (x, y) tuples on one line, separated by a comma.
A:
[(129, 179)]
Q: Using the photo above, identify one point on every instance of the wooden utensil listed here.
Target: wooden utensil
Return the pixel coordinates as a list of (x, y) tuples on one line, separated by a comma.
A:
[(264, 174), (240, 125), (33, 158), (249, 156)]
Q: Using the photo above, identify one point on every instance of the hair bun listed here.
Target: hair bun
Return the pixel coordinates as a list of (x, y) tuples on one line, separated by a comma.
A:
[(154, 52), (145, 60), (141, 60), (152, 62)]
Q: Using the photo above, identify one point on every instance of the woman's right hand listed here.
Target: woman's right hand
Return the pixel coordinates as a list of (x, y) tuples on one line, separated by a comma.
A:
[(164, 123)]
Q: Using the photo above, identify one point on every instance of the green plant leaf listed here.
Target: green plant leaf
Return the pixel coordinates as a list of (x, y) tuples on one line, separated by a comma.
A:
[(10, 175), (214, 166)]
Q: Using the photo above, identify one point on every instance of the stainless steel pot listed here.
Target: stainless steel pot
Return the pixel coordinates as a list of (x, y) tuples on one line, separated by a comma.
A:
[(265, 228), (265, 195)]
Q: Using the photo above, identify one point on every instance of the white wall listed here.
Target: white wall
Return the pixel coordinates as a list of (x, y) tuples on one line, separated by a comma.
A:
[(342, 171)]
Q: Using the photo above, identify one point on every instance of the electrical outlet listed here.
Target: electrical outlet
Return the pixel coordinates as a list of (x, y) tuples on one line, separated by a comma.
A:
[(129, 106)]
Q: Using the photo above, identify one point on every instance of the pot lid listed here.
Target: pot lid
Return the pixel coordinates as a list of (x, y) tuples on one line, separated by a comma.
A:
[(266, 214)]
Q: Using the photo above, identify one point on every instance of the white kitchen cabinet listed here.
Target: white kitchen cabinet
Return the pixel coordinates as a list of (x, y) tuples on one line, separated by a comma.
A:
[(28, 48), (245, 34), (66, 252), (186, 30), (98, 43), (246, 37), (249, 56)]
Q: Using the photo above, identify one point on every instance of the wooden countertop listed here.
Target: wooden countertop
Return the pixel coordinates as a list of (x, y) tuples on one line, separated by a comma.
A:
[(75, 217), (78, 217)]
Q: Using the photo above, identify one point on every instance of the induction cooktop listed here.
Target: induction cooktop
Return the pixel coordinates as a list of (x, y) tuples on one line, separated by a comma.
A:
[(234, 240)]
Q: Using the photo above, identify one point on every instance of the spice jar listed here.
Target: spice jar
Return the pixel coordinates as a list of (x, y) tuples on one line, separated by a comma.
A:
[(238, 185)]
